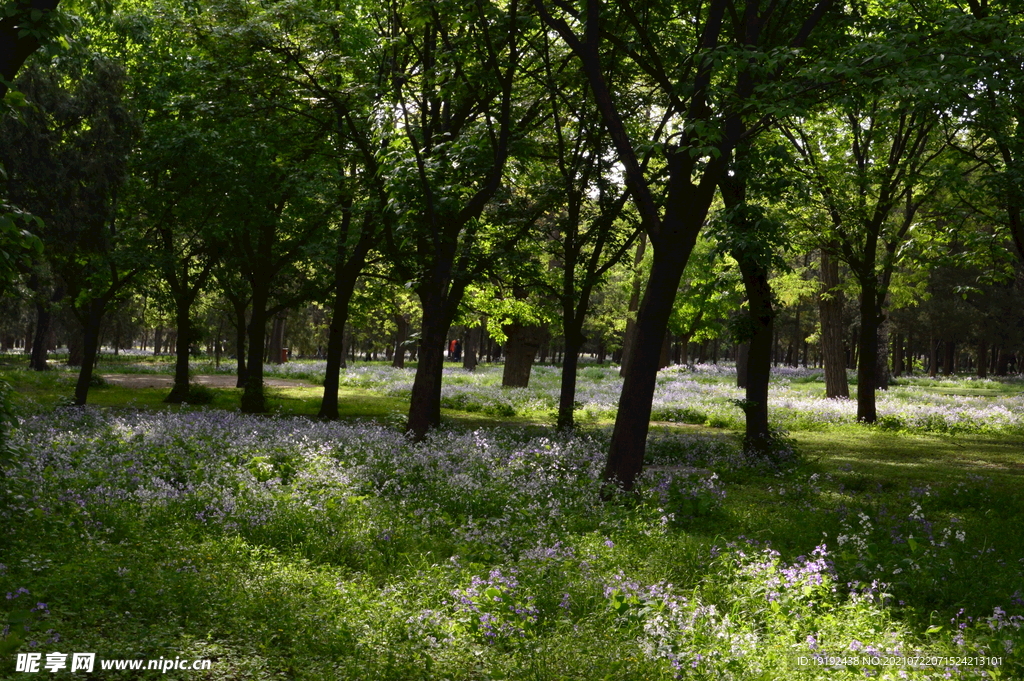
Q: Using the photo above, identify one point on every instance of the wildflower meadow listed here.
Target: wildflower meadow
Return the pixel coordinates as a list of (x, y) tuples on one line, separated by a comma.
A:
[(283, 547)]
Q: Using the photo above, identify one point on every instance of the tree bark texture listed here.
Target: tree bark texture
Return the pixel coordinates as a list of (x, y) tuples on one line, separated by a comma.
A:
[(830, 309), (665, 358), (275, 354), (632, 421)]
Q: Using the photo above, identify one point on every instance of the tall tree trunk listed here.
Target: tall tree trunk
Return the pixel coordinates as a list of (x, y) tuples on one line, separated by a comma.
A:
[(90, 347), (346, 272), (632, 421), (830, 307), (1002, 361), (628, 339), (665, 358), (867, 365), (982, 358), (574, 340), (759, 365), (76, 349), (158, 339), (933, 357), (183, 320), (239, 305), (253, 399), (425, 404), (684, 349)]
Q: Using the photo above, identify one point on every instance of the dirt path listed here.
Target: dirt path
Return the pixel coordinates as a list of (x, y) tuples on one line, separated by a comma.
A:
[(215, 381)]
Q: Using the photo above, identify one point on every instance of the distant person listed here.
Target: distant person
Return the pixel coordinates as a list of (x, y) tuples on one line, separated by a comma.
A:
[(457, 351)]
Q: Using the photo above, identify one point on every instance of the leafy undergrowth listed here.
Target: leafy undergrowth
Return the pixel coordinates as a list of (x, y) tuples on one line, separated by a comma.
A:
[(287, 548)]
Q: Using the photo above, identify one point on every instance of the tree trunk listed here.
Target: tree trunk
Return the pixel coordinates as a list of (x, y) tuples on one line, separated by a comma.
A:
[(632, 421), (182, 318), (1002, 361), (830, 307), (76, 349), (346, 272), (628, 338), (933, 357), (335, 352), (574, 341), (982, 358), (742, 362), (276, 349), (425, 404), (867, 365), (949, 358), (520, 352), (253, 399), (759, 368), (897, 359), (665, 358), (158, 339), (882, 368), (402, 324), (472, 340), (44, 318), (90, 348)]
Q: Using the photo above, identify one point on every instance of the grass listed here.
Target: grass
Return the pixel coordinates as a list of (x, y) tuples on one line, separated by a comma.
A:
[(282, 547)]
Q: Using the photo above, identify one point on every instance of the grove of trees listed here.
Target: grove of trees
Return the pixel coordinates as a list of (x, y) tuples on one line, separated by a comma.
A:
[(786, 182)]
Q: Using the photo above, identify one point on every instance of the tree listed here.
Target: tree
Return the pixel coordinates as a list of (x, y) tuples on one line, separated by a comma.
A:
[(872, 198), (285, 190), (452, 79), (588, 233), (709, 76), (68, 158)]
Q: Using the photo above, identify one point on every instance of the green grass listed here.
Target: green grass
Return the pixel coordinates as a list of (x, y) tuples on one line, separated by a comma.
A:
[(337, 583)]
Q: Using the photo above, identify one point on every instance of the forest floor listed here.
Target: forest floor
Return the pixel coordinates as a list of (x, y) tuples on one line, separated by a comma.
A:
[(286, 547), (215, 381)]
